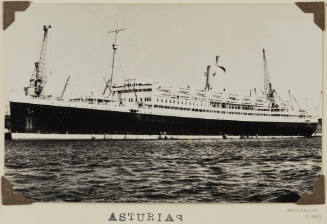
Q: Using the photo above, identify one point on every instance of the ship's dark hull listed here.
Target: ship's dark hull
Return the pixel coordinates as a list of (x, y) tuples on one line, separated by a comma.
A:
[(34, 118)]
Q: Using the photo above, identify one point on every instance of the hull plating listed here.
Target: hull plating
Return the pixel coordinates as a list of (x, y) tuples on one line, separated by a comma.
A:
[(34, 118)]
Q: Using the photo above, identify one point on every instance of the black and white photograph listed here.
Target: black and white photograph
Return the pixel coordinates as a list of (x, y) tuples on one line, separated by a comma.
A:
[(178, 103)]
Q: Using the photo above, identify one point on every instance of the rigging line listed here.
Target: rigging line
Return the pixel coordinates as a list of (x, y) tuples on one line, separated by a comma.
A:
[(70, 61), (67, 61), (120, 65), (92, 50), (94, 35), (107, 70)]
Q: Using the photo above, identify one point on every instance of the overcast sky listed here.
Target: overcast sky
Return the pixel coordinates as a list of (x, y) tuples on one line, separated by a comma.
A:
[(171, 44)]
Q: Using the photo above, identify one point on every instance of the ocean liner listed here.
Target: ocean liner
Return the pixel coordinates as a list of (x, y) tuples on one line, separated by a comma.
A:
[(136, 109)]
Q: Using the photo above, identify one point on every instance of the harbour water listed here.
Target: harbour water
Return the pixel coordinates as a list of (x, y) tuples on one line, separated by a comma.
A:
[(216, 170)]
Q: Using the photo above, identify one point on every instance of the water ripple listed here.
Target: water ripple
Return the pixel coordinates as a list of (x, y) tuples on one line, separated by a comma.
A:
[(230, 170)]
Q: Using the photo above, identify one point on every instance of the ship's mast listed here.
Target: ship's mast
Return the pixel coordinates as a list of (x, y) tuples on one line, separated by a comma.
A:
[(115, 48)]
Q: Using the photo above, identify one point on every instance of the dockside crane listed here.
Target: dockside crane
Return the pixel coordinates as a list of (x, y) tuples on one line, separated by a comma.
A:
[(40, 73), (269, 92)]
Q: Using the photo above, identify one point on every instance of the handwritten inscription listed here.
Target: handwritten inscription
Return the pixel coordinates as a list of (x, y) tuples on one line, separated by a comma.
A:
[(313, 216), (309, 213)]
